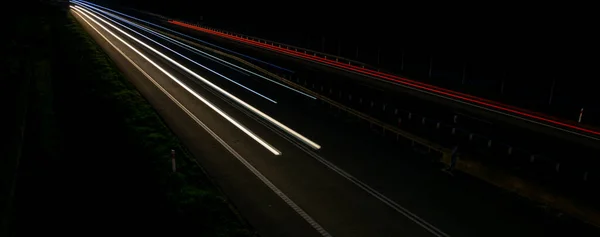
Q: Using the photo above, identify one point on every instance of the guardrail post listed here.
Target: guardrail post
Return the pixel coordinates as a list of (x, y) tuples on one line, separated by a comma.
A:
[(532, 159), (510, 150), (455, 118), (173, 165), (409, 115), (471, 137), (423, 121), (383, 107), (437, 125), (557, 167), (585, 176), (490, 143), (360, 100), (453, 131)]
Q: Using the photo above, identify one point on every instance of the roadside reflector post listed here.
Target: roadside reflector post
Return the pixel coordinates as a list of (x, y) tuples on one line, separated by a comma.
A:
[(173, 161), (580, 115)]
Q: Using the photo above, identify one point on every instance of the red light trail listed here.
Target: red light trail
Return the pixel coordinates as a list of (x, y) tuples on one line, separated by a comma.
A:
[(393, 78)]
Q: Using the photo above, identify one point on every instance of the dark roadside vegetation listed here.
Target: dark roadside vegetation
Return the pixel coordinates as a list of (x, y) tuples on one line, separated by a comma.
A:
[(86, 153)]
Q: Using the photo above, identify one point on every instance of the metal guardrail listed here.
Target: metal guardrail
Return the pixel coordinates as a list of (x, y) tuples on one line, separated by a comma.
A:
[(284, 46), (431, 146), (466, 165)]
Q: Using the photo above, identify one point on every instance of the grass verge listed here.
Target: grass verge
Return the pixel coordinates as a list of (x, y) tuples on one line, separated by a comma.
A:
[(96, 157)]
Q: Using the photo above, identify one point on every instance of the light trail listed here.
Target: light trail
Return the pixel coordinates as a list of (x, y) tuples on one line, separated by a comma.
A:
[(310, 220), (98, 10), (445, 93), (234, 98), (194, 62), (205, 101), (197, 51), (187, 36)]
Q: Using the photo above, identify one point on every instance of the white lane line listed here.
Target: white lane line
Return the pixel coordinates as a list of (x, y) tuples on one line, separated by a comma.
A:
[(194, 62), (239, 101), (432, 229), (205, 101), (257, 173), (387, 201), (198, 51)]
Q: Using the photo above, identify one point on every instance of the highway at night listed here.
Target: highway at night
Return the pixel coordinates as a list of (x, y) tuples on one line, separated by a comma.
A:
[(301, 150)]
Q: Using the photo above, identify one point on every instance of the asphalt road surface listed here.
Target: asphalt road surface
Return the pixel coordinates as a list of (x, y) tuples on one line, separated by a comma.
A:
[(356, 184), (342, 79)]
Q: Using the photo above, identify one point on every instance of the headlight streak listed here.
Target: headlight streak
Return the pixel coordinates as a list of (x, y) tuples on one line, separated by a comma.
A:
[(208, 103), (234, 98), (195, 50), (183, 56), (239, 101), (187, 36)]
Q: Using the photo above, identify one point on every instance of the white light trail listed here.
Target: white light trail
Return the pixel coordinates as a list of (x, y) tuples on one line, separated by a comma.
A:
[(187, 36), (234, 98), (193, 49), (181, 55), (205, 101)]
